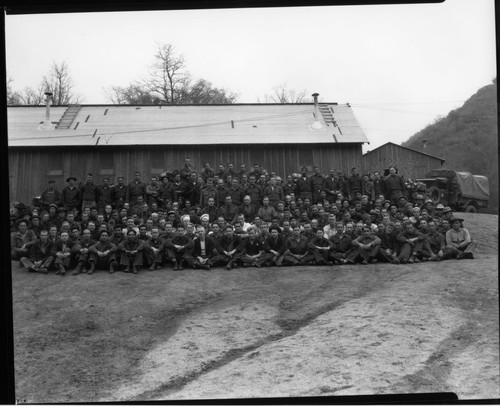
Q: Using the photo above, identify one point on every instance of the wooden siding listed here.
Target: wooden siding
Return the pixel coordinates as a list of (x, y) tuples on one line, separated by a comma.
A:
[(410, 164), (30, 168)]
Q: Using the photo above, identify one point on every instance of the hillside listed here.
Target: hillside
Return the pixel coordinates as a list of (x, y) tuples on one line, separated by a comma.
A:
[(467, 138)]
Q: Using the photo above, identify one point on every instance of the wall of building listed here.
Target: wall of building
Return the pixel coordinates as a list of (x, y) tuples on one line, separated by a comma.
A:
[(30, 168), (410, 164)]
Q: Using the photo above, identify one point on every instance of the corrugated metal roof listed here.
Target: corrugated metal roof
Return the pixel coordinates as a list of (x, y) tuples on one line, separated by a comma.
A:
[(184, 124), (410, 149)]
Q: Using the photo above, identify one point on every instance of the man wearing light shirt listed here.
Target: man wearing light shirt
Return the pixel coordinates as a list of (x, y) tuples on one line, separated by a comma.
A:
[(458, 240)]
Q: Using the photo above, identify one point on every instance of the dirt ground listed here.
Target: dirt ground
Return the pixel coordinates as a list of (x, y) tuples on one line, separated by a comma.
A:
[(316, 331)]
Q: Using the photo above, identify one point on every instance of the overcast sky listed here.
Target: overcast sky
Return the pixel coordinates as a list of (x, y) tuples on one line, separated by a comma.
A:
[(399, 66)]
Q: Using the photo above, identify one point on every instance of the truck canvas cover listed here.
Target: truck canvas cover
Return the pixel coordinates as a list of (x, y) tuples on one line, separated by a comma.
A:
[(471, 186)]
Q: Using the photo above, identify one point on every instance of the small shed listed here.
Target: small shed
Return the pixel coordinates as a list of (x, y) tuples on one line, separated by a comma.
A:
[(409, 162)]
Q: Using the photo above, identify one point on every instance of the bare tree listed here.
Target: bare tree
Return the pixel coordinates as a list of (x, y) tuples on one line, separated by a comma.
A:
[(281, 94), (13, 97), (33, 97), (60, 83), (169, 82), (168, 77)]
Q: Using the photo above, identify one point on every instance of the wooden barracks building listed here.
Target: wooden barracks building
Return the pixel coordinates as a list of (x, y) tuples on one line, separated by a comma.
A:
[(117, 140)]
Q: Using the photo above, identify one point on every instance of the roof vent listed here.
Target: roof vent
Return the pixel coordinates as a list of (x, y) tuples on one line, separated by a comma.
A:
[(46, 125), (316, 125)]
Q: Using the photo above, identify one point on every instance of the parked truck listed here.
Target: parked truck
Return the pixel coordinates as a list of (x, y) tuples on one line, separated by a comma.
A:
[(462, 191)]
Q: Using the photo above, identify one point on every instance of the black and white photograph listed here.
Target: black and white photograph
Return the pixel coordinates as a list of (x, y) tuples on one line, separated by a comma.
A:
[(253, 203)]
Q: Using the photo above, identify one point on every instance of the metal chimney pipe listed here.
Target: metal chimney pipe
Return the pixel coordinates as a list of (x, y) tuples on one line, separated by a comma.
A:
[(424, 143), (316, 108), (317, 124), (49, 94), (46, 125)]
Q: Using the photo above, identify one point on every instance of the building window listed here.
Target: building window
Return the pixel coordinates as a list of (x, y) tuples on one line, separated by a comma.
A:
[(55, 164), (306, 158), (106, 163), (156, 159)]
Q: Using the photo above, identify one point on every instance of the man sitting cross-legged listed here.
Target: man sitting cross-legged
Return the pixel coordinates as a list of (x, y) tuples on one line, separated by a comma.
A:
[(274, 247), (82, 252), (202, 251), (103, 254), (39, 257), (367, 245), (297, 252), (62, 253), (459, 243), (227, 247), (131, 252)]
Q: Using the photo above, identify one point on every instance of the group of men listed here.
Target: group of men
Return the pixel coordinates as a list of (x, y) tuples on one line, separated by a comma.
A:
[(205, 219)]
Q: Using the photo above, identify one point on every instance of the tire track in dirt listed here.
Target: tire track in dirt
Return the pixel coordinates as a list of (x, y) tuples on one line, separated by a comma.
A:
[(292, 312), (376, 338)]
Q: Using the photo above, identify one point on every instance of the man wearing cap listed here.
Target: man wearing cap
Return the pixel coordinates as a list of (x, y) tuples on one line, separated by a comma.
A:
[(50, 195), (71, 195), (89, 192), (458, 240), (439, 211), (447, 213)]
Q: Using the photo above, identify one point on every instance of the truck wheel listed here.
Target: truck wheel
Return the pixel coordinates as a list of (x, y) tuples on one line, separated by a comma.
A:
[(470, 209), (435, 194)]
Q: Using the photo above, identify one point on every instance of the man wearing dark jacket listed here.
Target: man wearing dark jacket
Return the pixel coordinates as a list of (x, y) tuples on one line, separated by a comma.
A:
[(39, 257), (202, 252), (103, 254), (61, 251), (227, 245), (274, 247), (71, 195)]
